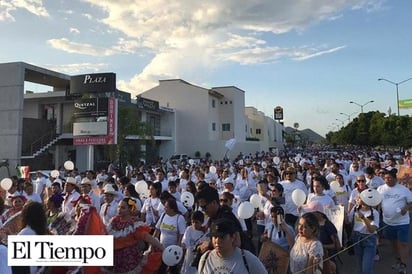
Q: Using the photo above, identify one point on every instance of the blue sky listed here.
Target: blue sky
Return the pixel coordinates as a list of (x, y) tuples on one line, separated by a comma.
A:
[(311, 57)]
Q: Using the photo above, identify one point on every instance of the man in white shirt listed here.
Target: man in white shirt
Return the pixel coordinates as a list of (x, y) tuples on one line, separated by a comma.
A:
[(160, 178), (109, 208), (86, 189), (373, 181), (71, 195), (396, 204), (40, 184)]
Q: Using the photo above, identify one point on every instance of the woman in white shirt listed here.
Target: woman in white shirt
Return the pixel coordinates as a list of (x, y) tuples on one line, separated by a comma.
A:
[(365, 224), (170, 227)]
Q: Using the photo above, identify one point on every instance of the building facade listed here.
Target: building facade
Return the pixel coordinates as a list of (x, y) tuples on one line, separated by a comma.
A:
[(37, 127)]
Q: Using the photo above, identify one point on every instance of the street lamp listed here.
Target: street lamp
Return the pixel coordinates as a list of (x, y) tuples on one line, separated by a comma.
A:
[(348, 115), (397, 89), (339, 120), (361, 106)]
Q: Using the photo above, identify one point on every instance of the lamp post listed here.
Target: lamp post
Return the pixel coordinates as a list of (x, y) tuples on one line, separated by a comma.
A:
[(361, 106), (397, 88), (348, 115), (339, 120)]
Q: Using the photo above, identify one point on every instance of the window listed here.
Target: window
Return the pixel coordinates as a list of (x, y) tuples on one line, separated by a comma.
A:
[(258, 131), (213, 103), (214, 126), (225, 127)]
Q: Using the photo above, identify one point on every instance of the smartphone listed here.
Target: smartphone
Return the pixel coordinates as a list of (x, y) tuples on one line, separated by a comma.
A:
[(279, 219)]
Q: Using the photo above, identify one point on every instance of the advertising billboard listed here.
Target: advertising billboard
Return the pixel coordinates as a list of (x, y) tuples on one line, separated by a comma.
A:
[(93, 83), (95, 123)]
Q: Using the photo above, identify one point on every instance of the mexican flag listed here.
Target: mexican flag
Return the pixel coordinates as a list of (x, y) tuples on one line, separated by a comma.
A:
[(23, 172)]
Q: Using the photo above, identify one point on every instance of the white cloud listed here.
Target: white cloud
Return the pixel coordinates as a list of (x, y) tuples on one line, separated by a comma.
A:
[(188, 36), (311, 53), (79, 68), (64, 44), (74, 30), (35, 7)]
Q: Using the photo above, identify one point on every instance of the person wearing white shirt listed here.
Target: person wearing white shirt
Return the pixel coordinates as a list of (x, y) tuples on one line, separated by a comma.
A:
[(40, 183), (160, 178), (396, 204), (30, 194), (109, 208), (353, 173), (320, 184), (86, 189), (373, 181), (242, 188), (289, 185), (71, 195), (102, 176)]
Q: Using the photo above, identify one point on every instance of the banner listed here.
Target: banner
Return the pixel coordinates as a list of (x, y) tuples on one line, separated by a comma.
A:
[(23, 172), (406, 103), (60, 250), (336, 216)]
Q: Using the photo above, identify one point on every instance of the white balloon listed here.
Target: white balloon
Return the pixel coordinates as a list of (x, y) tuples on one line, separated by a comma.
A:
[(140, 186), (187, 199), (212, 169), (371, 197), (264, 164), (245, 210), (297, 159), (68, 165), (172, 255), (145, 194), (276, 160), (335, 186), (55, 173), (6, 183), (191, 162), (298, 197), (255, 200)]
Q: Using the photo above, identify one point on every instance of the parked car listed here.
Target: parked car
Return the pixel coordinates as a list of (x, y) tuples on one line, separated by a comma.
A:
[(178, 158)]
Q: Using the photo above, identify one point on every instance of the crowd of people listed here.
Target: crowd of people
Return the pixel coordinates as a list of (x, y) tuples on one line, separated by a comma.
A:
[(280, 237)]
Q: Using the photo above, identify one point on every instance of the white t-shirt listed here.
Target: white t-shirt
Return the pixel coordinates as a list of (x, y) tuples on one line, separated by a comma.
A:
[(375, 182), (324, 199), (359, 225), (147, 208), (212, 263), (171, 227), (4, 268), (39, 185), (394, 199), (288, 188), (191, 238)]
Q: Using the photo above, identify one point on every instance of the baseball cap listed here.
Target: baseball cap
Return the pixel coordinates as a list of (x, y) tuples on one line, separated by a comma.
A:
[(222, 227)]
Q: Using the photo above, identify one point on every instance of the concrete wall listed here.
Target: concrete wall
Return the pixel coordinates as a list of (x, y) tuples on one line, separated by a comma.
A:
[(11, 114)]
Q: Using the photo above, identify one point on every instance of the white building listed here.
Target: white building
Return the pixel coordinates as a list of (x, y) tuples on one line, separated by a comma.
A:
[(36, 127), (206, 118)]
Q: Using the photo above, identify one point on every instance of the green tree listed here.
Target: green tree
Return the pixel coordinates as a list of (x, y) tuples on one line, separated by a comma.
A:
[(130, 124)]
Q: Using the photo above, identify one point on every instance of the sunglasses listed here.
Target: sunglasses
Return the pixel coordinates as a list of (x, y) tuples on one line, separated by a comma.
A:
[(361, 180)]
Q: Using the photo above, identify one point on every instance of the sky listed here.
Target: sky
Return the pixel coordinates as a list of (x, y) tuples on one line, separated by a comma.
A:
[(311, 57)]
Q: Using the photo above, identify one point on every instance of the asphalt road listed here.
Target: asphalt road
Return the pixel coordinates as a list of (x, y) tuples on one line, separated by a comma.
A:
[(383, 266)]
